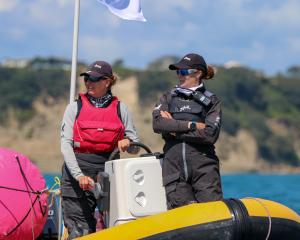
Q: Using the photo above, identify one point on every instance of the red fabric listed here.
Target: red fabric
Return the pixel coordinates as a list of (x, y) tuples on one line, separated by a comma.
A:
[(97, 129), (15, 205)]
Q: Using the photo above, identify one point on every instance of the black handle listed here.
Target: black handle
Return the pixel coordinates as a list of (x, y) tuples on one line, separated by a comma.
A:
[(138, 144)]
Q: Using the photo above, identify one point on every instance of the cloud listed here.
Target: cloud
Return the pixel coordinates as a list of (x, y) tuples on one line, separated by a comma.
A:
[(158, 10), (8, 5), (64, 3), (168, 5), (97, 48), (50, 14), (17, 34), (256, 52), (294, 44), (284, 16), (249, 31), (190, 27)]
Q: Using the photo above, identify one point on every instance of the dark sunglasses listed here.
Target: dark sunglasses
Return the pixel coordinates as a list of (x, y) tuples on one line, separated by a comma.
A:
[(94, 79), (184, 72)]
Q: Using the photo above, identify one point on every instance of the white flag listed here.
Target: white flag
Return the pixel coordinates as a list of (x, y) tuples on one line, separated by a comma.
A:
[(126, 9)]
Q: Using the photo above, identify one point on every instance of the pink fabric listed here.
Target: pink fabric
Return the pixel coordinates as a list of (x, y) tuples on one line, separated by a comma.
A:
[(14, 205)]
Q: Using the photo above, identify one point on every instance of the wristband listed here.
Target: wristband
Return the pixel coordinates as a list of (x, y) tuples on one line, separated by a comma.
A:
[(193, 126)]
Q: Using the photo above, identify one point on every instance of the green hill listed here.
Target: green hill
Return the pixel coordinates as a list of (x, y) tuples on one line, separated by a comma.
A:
[(251, 100)]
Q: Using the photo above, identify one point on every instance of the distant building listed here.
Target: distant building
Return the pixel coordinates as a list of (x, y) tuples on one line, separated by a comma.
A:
[(232, 64), (15, 63), (39, 63), (50, 63)]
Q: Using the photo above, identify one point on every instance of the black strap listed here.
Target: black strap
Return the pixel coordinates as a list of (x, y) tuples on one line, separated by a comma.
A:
[(23, 219), (79, 106), (20, 190), (29, 190), (119, 111), (28, 185), (201, 98)]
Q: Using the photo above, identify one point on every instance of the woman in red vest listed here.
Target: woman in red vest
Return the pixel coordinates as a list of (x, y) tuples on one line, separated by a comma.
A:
[(92, 128)]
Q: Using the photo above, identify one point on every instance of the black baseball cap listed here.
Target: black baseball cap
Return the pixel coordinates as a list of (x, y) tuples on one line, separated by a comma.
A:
[(98, 69), (190, 61)]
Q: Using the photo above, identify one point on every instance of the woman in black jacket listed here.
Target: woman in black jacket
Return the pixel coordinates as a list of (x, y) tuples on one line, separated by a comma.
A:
[(189, 119)]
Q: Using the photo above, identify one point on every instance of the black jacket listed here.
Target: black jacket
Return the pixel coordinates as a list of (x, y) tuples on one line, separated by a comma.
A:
[(177, 128)]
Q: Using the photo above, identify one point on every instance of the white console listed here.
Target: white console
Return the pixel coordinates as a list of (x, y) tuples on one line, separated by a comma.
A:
[(136, 189)]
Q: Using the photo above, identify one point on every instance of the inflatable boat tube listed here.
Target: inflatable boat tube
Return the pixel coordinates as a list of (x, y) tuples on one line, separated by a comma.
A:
[(231, 219)]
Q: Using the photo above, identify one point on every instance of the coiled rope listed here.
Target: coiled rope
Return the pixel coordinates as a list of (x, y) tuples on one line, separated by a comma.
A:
[(55, 192)]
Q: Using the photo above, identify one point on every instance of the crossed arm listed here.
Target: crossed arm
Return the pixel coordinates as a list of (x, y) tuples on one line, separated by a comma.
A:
[(206, 133)]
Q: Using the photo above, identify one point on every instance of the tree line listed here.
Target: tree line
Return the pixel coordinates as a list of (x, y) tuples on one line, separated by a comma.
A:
[(249, 98)]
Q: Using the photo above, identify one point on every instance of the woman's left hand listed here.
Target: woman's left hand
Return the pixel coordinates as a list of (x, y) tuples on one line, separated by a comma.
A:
[(123, 144)]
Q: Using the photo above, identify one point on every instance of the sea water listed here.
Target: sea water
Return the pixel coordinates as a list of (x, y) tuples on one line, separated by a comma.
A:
[(284, 189)]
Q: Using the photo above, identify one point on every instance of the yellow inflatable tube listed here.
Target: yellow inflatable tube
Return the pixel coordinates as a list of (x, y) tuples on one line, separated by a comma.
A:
[(249, 218)]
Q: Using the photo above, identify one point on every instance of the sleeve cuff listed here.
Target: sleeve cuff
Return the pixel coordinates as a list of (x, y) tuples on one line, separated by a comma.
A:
[(78, 176)]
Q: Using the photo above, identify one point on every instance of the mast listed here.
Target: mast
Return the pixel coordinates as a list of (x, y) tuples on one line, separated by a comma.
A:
[(75, 50)]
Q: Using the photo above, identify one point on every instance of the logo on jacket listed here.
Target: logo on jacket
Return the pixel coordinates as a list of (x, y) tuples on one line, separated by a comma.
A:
[(186, 107)]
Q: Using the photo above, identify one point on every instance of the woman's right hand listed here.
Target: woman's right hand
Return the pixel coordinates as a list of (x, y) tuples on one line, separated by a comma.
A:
[(166, 114), (86, 183)]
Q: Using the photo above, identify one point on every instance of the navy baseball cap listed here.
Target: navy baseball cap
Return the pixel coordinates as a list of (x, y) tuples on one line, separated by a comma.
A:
[(98, 69), (190, 61)]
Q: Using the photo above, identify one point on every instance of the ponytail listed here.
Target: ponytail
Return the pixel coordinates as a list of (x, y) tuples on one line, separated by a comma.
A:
[(112, 80), (210, 72)]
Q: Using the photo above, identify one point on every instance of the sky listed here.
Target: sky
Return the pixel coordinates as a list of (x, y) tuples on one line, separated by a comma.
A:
[(263, 35)]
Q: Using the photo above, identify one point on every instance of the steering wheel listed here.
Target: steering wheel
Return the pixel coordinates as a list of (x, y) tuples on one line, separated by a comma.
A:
[(138, 144)]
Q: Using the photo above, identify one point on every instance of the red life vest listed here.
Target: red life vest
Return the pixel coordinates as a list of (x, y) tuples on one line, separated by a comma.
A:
[(97, 129)]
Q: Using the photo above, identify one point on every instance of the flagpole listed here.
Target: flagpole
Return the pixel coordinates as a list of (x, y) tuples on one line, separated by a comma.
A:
[(75, 50)]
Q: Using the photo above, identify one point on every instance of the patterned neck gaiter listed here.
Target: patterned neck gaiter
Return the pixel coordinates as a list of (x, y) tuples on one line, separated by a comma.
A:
[(101, 102)]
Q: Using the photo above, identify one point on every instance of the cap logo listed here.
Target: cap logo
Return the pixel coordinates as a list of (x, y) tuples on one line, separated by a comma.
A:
[(98, 66), (187, 58)]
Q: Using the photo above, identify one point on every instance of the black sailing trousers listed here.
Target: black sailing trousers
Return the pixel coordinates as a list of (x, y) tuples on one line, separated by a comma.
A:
[(78, 205), (190, 174)]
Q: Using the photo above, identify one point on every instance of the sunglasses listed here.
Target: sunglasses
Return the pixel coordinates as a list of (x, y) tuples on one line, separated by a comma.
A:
[(93, 79), (184, 72)]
